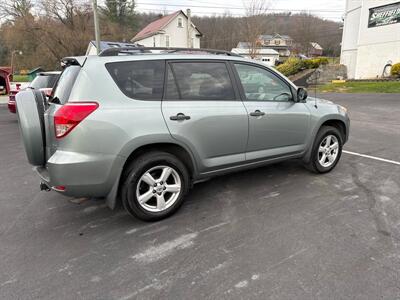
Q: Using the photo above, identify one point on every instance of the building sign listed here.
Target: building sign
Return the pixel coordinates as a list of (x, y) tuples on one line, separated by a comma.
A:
[(384, 15)]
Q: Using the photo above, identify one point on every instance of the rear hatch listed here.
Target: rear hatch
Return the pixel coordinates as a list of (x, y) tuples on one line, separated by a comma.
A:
[(58, 98)]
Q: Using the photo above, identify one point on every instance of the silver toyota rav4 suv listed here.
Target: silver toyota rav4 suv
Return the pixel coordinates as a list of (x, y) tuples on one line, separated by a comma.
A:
[(141, 128)]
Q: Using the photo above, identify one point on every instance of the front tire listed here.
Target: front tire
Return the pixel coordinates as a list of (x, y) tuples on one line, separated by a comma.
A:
[(155, 185), (327, 150)]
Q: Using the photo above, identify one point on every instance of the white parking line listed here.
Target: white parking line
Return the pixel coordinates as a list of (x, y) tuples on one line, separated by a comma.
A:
[(373, 157)]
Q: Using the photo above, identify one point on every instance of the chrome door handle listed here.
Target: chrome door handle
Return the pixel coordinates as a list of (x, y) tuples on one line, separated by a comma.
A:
[(179, 117), (257, 113)]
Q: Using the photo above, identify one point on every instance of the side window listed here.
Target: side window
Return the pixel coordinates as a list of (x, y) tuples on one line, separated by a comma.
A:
[(167, 41), (142, 80), (199, 81), (180, 23), (262, 85)]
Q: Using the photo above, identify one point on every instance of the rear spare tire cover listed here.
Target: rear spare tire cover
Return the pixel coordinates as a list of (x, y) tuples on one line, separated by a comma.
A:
[(30, 111)]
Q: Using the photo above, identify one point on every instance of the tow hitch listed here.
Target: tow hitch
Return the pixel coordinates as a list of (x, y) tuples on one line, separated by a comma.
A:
[(44, 187)]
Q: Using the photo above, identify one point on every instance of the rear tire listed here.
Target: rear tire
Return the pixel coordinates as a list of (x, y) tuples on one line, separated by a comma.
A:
[(324, 157), (154, 186)]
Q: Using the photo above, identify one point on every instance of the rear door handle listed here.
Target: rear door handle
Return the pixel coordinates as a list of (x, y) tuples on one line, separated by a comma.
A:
[(257, 113), (179, 117)]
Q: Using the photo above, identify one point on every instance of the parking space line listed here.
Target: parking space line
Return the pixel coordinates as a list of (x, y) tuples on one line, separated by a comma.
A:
[(373, 157)]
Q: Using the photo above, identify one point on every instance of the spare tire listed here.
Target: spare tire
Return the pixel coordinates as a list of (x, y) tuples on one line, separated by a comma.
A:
[(30, 110)]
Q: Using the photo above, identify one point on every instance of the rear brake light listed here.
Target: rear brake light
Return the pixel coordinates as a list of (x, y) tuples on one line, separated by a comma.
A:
[(70, 115)]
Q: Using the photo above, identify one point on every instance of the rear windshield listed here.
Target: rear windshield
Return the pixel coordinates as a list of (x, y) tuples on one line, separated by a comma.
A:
[(64, 85), (143, 80), (44, 81)]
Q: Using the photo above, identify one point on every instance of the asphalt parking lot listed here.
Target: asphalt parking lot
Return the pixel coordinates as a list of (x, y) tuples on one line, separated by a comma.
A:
[(278, 232)]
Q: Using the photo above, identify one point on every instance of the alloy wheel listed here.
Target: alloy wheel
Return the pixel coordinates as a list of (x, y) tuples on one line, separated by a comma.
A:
[(328, 151), (158, 188)]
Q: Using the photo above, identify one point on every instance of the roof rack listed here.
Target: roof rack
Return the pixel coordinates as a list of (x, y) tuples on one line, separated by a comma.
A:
[(142, 50)]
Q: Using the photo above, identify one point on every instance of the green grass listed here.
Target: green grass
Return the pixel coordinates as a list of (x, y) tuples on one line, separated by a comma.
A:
[(20, 78), (361, 87)]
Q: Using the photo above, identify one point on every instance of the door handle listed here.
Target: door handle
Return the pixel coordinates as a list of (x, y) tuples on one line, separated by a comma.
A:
[(179, 117), (257, 113)]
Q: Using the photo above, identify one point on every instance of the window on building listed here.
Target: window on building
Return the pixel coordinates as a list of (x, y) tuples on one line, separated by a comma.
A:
[(167, 41), (142, 80), (277, 42), (180, 22), (154, 41), (199, 81)]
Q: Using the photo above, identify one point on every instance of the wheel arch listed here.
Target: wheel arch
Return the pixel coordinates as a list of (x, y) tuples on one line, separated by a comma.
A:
[(172, 148), (187, 158), (338, 124), (334, 122)]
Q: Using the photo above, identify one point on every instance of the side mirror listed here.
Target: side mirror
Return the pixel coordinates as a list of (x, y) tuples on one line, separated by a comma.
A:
[(301, 94)]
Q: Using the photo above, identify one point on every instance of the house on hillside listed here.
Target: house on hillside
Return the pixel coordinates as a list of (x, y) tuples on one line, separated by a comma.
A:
[(267, 56), (279, 43), (315, 50), (92, 50), (174, 30)]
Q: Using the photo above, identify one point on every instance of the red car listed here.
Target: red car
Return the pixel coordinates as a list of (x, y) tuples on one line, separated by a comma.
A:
[(44, 81)]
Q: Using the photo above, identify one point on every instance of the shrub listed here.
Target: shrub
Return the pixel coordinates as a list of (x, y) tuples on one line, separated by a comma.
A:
[(291, 66), (395, 71), (314, 63), (294, 65)]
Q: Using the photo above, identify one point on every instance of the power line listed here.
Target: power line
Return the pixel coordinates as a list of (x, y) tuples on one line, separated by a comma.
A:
[(228, 13), (228, 7), (236, 8)]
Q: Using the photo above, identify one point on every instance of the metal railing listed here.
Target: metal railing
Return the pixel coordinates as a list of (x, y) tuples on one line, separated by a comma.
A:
[(166, 50)]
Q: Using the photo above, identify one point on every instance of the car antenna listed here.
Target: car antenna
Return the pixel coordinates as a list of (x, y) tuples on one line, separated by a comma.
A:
[(315, 87)]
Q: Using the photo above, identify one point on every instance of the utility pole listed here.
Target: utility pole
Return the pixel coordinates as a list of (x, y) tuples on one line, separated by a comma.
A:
[(189, 28), (12, 59), (96, 26)]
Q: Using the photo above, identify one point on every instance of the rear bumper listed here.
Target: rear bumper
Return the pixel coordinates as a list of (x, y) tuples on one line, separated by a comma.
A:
[(82, 175)]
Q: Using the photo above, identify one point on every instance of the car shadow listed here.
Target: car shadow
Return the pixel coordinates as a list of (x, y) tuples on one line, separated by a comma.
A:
[(207, 200)]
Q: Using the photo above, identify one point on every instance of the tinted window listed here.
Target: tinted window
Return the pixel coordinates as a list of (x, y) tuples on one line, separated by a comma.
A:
[(262, 85), (64, 85), (44, 81), (199, 81), (142, 80)]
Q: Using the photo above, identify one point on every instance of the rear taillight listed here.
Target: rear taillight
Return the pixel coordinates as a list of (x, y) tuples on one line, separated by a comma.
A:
[(70, 115)]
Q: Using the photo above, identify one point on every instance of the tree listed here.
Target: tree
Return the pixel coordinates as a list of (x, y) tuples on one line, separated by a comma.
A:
[(305, 31), (256, 11), (120, 11), (15, 8)]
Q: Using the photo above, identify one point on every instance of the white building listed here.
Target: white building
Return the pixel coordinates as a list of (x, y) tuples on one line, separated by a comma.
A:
[(267, 56), (174, 30), (371, 37), (92, 49)]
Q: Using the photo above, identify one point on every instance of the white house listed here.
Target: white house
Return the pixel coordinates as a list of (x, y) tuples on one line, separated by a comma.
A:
[(371, 37), (92, 49), (267, 56), (174, 30)]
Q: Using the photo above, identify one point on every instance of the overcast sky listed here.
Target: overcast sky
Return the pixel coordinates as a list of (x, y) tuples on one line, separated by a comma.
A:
[(329, 9)]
